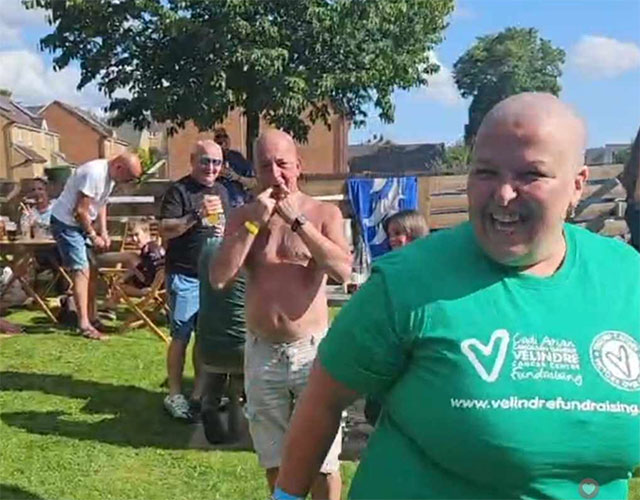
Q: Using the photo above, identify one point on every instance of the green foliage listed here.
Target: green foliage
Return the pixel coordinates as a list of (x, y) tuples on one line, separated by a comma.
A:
[(281, 59), (456, 158), (5, 92), (622, 156), (500, 65), (148, 157)]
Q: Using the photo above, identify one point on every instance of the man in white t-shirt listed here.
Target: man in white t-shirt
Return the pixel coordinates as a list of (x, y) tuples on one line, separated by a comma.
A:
[(83, 201)]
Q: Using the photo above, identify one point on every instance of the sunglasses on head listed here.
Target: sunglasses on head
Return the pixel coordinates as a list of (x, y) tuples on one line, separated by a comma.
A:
[(205, 160)]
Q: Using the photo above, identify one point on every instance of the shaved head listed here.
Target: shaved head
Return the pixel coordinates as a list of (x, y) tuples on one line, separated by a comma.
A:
[(204, 146), (125, 167), (527, 174), (546, 113), (277, 162), (277, 136), (206, 161)]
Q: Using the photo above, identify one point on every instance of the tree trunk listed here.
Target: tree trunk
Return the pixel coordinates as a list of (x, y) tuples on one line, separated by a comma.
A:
[(253, 129)]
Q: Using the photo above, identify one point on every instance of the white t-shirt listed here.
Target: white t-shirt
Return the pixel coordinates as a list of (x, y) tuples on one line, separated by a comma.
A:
[(92, 179)]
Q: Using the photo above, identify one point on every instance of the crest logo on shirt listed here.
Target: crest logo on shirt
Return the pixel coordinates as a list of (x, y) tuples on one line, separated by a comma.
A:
[(616, 357), (481, 355)]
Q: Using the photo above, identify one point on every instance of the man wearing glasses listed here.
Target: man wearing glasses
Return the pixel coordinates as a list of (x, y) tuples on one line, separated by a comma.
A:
[(192, 211), (82, 204)]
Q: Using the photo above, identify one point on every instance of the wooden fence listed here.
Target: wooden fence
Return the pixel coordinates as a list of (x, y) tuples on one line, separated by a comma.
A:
[(442, 199), (601, 209)]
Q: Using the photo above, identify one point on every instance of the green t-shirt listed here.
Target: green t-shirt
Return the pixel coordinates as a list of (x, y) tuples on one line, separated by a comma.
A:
[(221, 318), (495, 384)]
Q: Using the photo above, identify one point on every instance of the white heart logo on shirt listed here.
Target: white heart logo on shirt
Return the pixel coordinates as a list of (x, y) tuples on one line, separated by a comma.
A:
[(500, 337), (621, 360)]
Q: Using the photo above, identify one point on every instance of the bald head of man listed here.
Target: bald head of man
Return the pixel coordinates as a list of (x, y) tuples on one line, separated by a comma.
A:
[(527, 172), (206, 162), (125, 167), (277, 162)]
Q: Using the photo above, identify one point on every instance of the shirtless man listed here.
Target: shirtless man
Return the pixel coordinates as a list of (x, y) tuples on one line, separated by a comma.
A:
[(288, 243)]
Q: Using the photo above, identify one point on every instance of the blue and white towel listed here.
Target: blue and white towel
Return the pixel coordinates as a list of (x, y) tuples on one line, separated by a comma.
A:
[(375, 199)]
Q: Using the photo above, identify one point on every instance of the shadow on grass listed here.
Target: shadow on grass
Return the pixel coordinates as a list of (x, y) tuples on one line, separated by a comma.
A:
[(115, 414), (11, 492), (43, 325)]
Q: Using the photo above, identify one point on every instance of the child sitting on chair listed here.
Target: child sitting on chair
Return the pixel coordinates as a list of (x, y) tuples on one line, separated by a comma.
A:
[(142, 267), (148, 262)]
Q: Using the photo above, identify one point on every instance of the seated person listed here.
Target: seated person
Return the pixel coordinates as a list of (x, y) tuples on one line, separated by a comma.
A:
[(142, 267), (38, 209), (37, 212), (220, 338)]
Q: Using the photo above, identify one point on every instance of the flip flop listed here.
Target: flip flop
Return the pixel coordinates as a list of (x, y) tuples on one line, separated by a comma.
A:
[(101, 327), (92, 334)]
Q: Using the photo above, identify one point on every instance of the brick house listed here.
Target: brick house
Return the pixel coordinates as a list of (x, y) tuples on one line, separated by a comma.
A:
[(83, 137), (324, 152), (390, 158), (27, 145)]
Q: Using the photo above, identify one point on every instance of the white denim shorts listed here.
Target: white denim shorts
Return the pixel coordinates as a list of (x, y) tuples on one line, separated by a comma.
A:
[(275, 375)]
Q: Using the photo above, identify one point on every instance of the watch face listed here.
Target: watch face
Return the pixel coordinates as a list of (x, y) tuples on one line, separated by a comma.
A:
[(301, 219)]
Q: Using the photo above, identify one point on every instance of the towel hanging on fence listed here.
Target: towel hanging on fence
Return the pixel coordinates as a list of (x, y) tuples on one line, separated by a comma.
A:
[(373, 200)]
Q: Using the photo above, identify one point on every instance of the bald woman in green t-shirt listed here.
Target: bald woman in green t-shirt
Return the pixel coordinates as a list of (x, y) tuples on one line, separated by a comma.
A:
[(506, 350)]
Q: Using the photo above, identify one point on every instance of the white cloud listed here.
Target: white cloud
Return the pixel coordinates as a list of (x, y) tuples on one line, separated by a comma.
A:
[(602, 57), (441, 86), (14, 17), (25, 73)]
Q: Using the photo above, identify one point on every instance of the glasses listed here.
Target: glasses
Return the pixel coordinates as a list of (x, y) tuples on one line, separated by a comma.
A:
[(205, 160)]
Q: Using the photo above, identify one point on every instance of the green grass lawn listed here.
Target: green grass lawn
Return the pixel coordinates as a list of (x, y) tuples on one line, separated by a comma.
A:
[(84, 420)]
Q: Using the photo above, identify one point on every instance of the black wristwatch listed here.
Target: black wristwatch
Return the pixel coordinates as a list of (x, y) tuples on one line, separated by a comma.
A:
[(195, 215), (298, 222)]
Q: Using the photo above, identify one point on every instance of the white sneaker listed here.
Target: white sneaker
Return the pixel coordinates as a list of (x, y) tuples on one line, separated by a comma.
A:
[(177, 406)]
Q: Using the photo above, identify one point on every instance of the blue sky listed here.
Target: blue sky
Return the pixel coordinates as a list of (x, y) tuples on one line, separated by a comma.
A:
[(605, 89), (601, 75)]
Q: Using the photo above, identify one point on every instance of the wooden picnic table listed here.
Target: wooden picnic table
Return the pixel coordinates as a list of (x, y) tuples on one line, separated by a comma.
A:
[(20, 254)]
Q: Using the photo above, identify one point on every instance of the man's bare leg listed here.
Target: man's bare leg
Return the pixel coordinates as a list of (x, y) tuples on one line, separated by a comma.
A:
[(81, 296), (272, 476), (175, 365), (91, 296)]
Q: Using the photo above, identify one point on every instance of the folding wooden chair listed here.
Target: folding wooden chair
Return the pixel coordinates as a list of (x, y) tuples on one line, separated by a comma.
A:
[(142, 307)]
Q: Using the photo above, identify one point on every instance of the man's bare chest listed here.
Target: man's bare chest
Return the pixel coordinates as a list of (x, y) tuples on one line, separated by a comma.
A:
[(277, 243)]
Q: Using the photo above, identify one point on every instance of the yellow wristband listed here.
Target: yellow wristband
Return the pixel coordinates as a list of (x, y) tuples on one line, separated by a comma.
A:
[(252, 227)]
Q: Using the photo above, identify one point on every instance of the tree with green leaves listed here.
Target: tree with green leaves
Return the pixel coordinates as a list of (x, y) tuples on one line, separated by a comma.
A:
[(456, 159), (5, 92), (500, 65), (292, 62), (622, 156)]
